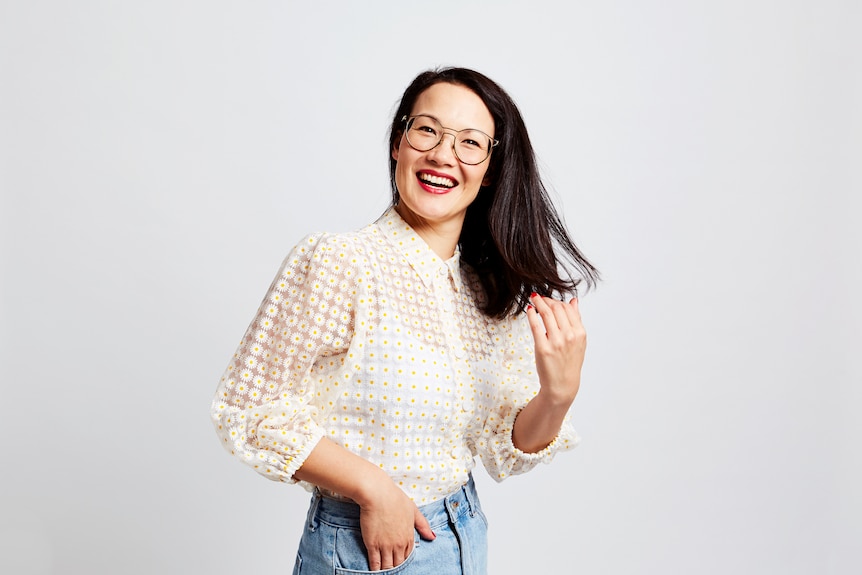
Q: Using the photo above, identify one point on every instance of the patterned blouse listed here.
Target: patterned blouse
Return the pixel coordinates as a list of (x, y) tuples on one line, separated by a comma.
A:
[(373, 341)]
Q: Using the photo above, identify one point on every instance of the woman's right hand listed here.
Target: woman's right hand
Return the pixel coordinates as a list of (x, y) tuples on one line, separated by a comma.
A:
[(387, 519)]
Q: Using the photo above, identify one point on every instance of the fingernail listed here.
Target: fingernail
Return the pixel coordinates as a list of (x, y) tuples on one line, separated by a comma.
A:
[(534, 294), (529, 307)]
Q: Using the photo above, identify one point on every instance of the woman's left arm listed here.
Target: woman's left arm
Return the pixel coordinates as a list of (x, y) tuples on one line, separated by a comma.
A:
[(560, 343)]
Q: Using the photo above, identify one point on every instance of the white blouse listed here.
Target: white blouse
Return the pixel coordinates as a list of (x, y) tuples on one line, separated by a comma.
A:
[(373, 341)]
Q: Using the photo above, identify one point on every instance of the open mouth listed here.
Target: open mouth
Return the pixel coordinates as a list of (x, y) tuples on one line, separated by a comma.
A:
[(441, 182)]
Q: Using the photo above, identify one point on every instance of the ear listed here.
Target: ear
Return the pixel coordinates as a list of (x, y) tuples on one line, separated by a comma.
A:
[(486, 181)]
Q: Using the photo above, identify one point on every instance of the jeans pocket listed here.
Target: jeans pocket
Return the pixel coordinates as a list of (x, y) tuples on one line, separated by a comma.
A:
[(352, 557)]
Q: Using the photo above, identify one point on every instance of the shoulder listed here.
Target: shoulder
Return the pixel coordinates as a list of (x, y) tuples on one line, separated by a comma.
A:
[(325, 254), (319, 245)]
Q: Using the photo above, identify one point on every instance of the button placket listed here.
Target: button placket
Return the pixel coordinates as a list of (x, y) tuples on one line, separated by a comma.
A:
[(446, 295)]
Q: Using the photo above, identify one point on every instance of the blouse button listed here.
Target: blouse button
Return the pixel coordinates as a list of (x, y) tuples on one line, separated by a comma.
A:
[(467, 405)]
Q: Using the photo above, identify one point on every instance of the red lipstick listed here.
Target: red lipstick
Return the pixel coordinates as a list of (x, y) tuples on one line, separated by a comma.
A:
[(435, 182)]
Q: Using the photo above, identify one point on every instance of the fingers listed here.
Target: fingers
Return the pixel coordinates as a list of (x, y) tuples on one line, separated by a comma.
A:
[(542, 306), (389, 521), (381, 559), (387, 558), (574, 311), (395, 558), (422, 526), (537, 326), (549, 318), (374, 562)]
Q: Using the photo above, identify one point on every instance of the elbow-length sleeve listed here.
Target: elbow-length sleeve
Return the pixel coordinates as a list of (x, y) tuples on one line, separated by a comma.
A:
[(517, 384), (279, 387)]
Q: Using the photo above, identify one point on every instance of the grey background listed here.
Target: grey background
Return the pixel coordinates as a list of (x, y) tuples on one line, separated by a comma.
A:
[(158, 159)]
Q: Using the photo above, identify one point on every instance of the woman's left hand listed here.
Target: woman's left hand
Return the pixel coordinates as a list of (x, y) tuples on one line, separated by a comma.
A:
[(560, 343)]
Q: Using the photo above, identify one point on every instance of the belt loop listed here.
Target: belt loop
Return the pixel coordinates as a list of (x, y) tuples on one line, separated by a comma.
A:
[(470, 493), (312, 510)]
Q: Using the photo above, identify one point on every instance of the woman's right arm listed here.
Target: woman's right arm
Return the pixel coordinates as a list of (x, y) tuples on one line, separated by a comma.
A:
[(387, 516), (272, 404)]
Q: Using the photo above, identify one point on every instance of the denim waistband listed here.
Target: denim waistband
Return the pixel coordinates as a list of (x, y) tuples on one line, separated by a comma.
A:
[(346, 513)]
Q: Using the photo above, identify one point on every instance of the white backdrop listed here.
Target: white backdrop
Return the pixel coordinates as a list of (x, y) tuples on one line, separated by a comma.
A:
[(706, 156)]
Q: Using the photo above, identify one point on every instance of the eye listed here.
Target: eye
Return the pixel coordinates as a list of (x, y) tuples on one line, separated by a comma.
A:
[(472, 143), (424, 126)]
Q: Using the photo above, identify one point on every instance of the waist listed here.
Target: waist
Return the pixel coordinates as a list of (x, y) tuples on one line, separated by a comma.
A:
[(344, 512), (453, 470)]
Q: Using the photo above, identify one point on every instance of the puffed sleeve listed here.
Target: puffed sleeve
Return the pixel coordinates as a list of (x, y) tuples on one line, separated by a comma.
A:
[(518, 383), (279, 387)]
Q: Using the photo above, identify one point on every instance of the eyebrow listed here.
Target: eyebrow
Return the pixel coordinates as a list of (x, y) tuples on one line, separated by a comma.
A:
[(447, 127)]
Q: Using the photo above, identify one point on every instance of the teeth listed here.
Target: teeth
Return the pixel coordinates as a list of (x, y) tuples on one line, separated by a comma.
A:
[(437, 180)]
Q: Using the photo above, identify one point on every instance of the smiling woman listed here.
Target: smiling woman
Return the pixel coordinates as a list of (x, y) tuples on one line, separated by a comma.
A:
[(435, 187), (382, 362)]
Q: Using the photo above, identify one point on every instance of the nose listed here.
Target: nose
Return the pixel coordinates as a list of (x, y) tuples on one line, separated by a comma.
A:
[(444, 151)]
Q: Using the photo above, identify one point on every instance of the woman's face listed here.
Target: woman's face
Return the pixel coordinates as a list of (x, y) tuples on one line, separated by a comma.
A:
[(434, 187)]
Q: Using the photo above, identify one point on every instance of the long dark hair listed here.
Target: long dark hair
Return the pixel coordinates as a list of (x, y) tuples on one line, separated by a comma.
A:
[(512, 235)]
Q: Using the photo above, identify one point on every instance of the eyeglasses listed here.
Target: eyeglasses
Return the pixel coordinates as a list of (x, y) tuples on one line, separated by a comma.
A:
[(425, 133)]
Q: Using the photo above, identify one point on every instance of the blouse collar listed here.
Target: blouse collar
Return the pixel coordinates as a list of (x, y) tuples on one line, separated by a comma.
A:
[(417, 252)]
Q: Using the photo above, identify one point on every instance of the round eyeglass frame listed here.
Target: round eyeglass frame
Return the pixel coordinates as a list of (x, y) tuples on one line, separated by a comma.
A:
[(408, 121)]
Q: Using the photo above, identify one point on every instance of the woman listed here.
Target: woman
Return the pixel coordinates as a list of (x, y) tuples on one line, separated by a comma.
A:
[(383, 361)]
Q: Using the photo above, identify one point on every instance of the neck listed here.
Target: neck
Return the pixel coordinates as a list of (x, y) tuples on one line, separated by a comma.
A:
[(441, 238)]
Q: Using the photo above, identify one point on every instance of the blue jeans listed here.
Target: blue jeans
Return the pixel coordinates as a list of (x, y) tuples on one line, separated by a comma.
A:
[(332, 543)]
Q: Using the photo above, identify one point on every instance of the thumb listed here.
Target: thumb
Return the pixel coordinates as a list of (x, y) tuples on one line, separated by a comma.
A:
[(422, 526)]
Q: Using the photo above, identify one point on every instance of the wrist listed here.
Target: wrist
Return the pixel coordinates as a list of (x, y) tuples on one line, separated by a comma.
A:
[(371, 486), (556, 400)]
